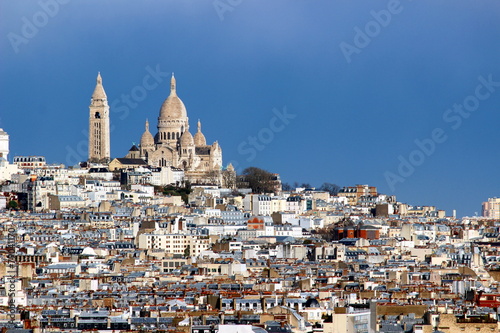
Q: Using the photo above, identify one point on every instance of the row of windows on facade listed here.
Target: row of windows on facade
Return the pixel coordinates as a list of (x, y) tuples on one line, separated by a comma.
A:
[(31, 164), (168, 136), (29, 159), (174, 264)]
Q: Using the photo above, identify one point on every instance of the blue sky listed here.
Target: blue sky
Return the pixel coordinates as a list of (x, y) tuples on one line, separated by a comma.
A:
[(353, 115)]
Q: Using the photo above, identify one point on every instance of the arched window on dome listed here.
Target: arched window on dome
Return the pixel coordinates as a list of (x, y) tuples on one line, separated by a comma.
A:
[(178, 135), (168, 136)]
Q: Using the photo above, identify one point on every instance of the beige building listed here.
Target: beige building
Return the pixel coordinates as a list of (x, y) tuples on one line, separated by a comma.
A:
[(174, 145), (29, 162), (354, 193), (99, 143), (126, 163), (491, 208), (174, 243), (101, 220), (451, 323), (58, 202), (171, 264)]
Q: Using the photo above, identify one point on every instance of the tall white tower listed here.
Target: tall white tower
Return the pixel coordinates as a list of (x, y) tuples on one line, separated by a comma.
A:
[(99, 143), (4, 144)]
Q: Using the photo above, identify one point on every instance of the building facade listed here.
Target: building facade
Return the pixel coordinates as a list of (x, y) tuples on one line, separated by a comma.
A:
[(99, 142), (4, 144), (491, 208), (6, 169), (175, 146)]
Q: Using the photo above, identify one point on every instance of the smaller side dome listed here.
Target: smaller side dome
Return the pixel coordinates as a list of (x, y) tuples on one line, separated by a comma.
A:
[(187, 139), (199, 138), (147, 138)]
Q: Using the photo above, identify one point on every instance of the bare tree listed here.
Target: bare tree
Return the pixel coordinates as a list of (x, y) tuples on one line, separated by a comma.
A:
[(333, 189), (259, 180), (229, 179), (213, 177)]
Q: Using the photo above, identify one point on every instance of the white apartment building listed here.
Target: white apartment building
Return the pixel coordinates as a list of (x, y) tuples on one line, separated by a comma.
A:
[(288, 230), (295, 204), (99, 185), (174, 243), (258, 204)]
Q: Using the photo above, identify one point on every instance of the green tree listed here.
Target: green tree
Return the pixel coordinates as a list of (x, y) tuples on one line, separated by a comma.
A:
[(12, 204), (183, 191), (187, 251)]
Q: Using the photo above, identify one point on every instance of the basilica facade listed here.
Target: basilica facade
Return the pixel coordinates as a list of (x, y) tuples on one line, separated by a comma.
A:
[(174, 145)]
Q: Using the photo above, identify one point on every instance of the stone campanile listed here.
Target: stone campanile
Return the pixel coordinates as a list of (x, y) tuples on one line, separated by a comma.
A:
[(99, 144)]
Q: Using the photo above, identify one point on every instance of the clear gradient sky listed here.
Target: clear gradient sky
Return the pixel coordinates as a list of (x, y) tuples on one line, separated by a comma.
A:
[(349, 92)]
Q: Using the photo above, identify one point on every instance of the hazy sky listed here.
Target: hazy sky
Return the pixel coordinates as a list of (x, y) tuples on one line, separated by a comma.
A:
[(402, 95)]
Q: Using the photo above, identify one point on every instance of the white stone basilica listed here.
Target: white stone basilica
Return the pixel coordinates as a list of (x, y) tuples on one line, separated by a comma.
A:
[(174, 145)]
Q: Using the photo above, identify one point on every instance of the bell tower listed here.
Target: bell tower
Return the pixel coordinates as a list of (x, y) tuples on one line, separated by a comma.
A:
[(99, 143)]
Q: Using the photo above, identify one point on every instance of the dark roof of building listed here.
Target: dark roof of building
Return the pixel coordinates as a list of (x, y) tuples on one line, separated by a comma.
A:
[(202, 150), (134, 148), (312, 303), (131, 161), (98, 170)]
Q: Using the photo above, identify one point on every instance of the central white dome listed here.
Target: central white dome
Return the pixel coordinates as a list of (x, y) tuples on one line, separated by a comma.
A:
[(173, 108)]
